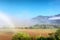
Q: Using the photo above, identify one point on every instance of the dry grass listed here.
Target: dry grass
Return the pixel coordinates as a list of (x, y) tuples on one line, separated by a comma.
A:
[(37, 32), (5, 36), (32, 32)]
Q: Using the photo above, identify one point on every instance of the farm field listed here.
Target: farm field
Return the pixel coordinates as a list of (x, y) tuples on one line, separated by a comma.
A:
[(32, 32), (37, 32)]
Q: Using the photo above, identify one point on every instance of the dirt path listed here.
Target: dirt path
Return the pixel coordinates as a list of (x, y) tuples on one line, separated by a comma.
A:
[(5, 36)]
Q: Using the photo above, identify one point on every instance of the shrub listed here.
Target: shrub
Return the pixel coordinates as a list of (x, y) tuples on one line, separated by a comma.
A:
[(26, 36), (21, 36), (41, 38)]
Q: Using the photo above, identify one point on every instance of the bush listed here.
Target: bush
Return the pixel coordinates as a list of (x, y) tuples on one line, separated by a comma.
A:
[(57, 34), (41, 38), (21, 36), (26, 36)]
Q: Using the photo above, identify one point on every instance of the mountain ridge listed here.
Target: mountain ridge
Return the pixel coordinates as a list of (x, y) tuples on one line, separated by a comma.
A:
[(47, 19)]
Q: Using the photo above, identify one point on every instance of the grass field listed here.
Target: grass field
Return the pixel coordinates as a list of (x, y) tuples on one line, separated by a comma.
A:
[(31, 32)]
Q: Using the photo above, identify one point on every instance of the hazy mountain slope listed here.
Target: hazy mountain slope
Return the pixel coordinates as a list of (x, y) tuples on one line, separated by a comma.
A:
[(47, 19)]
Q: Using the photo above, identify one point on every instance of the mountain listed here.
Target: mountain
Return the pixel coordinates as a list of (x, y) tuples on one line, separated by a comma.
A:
[(47, 19), (58, 15), (41, 19)]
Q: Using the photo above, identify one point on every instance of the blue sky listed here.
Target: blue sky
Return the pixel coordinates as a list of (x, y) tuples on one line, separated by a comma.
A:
[(30, 9)]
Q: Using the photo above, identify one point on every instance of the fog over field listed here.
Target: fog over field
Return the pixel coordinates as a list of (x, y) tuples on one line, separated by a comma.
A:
[(7, 20)]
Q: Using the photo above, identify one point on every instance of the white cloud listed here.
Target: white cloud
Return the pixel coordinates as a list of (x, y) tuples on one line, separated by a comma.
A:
[(54, 18)]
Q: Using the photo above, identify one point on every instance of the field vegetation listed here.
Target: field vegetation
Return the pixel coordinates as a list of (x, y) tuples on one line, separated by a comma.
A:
[(29, 34)]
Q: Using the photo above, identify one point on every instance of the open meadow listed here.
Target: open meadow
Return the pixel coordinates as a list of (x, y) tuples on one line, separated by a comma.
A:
[(32, 32)]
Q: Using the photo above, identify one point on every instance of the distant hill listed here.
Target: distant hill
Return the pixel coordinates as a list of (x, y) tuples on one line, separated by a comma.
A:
[(47, 19), (41, 19)]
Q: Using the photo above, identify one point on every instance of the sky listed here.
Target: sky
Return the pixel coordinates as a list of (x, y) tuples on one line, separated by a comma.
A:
[(30, 9), (23, 10)]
